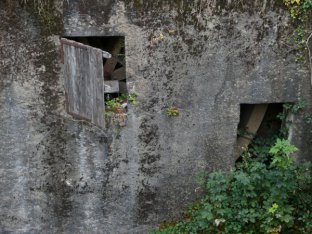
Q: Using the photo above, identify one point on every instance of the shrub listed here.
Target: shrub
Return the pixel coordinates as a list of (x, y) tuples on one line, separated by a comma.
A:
[(258, 196)]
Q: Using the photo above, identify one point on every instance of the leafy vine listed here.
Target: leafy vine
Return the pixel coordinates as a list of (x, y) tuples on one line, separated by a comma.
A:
[(301, 12)]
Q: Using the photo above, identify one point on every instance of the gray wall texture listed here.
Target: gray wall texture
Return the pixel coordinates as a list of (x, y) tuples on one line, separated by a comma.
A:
[(61, 175)]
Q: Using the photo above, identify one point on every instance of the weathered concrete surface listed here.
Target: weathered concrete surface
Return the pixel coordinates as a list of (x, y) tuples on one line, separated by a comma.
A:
[(59, 175), (53, 170)]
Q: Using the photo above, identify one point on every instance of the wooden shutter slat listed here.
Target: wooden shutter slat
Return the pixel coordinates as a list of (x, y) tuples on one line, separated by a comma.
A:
[(84, 83)]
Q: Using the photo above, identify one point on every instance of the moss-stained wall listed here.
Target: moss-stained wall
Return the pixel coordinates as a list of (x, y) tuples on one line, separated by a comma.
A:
[(203, 57)]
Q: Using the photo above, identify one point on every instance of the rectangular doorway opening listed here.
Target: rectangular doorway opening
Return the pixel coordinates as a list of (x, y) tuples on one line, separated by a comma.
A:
[(260, 124)]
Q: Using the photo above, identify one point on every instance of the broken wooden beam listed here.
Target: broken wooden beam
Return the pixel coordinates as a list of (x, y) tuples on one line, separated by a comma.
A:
[(111, 86), (119, 74), (111, 63), (251, 127)]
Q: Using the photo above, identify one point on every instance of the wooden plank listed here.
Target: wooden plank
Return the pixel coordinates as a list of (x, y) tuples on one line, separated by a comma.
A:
[(252, 125), (75, 44), (111, 63), (84, 84), (119, 74), (111, 86), (96, 69)]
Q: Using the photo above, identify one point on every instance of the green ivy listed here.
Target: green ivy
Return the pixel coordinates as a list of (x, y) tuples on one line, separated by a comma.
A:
[(301, 12), (299, 9)]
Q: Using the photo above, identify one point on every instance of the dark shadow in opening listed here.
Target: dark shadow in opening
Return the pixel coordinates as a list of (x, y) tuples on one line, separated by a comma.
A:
[(259, 124), (114, 68)]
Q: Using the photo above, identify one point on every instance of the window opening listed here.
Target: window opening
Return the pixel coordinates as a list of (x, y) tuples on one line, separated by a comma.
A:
[(258, 122), (114, 68), (95, 74)]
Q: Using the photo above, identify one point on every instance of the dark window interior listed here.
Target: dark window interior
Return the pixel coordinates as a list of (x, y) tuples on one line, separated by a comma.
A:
[(114, 68), (257, 121), (270, 124)]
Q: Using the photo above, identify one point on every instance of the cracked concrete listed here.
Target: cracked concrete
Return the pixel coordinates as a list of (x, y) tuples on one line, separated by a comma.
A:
[(60, 175)]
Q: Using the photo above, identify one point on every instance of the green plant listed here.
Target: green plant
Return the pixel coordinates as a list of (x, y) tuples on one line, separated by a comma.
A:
[(113, 105), (288, 109), (301, 12), (116, 108), (173, 111), (256, 197), (133, 98), (281, 152), (299, 9)]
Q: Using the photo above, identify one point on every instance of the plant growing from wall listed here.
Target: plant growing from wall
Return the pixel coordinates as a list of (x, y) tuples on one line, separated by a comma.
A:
[(132, 98), (173, 111), (45, 11), (288, 110), (116, 108), (299, 9), (301, 12), (114, 105)]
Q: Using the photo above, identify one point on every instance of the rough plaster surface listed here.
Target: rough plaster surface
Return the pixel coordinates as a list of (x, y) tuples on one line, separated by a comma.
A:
[(59, 175)]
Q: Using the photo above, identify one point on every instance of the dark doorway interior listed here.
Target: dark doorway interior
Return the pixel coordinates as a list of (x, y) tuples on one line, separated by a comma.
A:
[(257, 122)]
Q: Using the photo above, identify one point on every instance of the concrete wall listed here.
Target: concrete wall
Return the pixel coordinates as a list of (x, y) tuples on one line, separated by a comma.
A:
[(60, 175)]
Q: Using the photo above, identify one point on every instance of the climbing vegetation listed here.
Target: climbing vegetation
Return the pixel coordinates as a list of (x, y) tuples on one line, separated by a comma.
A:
[(45, 11), (299, 9), (301, 12)]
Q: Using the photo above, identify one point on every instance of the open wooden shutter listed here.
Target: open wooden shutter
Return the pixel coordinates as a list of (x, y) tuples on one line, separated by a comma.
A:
[(84, 81)]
